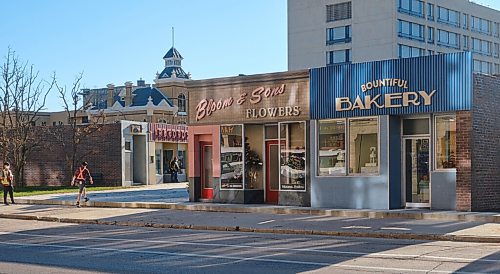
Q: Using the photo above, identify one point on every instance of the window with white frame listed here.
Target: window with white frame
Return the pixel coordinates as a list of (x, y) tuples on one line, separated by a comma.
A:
[(348, 147), (363, 146), (292, 138)]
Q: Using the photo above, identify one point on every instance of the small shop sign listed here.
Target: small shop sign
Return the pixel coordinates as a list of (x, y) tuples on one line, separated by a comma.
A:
[(160, 132)]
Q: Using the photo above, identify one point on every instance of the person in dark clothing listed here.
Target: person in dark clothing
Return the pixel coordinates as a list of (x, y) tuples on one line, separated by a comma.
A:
[(80, 178), (7, 178), (174, 168)]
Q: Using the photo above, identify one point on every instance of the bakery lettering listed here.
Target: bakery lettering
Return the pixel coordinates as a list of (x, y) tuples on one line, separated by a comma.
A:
[(386, 100)]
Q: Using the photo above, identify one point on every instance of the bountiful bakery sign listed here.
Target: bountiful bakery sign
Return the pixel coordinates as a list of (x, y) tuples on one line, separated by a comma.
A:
[(282, 101), (429, 84)]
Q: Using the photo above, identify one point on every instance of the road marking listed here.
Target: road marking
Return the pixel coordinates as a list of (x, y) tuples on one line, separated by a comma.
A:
[(258, 259), (364, 254), (395, 228), (265, 222), (356, 226)]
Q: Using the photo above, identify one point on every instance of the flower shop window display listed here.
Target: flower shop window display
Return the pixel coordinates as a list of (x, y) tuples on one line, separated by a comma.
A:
[(292, 156), (231, 157)]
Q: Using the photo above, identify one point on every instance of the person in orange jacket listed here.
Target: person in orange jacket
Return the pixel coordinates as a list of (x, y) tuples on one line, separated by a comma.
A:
[(80, 178)]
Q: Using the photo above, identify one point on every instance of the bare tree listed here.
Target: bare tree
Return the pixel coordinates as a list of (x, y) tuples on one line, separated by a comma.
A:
[(22, 97), (78, 132)]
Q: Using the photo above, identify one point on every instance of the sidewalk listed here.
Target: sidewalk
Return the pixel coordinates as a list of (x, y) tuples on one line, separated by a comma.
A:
[(175, 196), (395, 228)]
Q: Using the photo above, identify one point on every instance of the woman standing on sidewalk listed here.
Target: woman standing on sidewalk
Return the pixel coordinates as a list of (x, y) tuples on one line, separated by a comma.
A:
[(6, 177)]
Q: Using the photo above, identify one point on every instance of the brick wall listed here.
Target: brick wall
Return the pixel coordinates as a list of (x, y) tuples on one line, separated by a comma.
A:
[(464, 156), (485, 165), (102, 150)]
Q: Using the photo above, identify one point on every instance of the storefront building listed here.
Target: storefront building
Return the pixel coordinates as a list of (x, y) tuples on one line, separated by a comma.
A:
[(404, 133), (148, 149), (248, 139)]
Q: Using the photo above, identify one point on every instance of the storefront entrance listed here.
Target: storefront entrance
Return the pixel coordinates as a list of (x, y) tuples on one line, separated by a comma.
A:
[(206, 170), (416, 172), (272, 171)]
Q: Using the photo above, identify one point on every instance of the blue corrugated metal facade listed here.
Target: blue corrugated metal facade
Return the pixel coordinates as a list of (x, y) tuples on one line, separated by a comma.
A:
[(450, 75)]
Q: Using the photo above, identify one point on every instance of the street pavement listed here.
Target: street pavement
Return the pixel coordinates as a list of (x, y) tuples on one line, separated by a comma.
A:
[(262, 222), (155, 206), (48, 247)]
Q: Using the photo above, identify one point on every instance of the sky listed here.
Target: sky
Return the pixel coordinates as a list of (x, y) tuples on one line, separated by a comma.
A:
[(115, 41)]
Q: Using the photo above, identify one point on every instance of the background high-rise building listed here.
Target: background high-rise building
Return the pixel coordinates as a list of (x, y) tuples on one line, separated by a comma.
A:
[(325, 32)]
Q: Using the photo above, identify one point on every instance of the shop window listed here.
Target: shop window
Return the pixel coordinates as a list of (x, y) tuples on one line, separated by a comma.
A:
[(363, 146), (168, 156), (231, 156), (446, 146), (181, 156), (331, 144), (158, 161), (254, 155), (292, 156)]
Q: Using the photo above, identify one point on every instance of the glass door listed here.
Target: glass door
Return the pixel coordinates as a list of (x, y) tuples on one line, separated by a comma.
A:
[(416, 172)]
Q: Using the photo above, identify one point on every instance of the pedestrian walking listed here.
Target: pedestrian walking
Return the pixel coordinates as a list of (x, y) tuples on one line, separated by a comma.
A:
[(7, 178), (80, 178), (174, 169)]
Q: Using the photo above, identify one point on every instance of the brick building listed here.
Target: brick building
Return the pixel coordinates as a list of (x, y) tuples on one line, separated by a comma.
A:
[(49, 164)]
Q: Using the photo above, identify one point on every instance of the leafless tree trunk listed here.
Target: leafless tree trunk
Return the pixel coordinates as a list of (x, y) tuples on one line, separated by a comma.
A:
[(79, 134), (22, 98)]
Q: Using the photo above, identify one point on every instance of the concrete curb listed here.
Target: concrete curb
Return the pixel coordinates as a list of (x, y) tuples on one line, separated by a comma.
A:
[(380, 214), (401, 236)]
